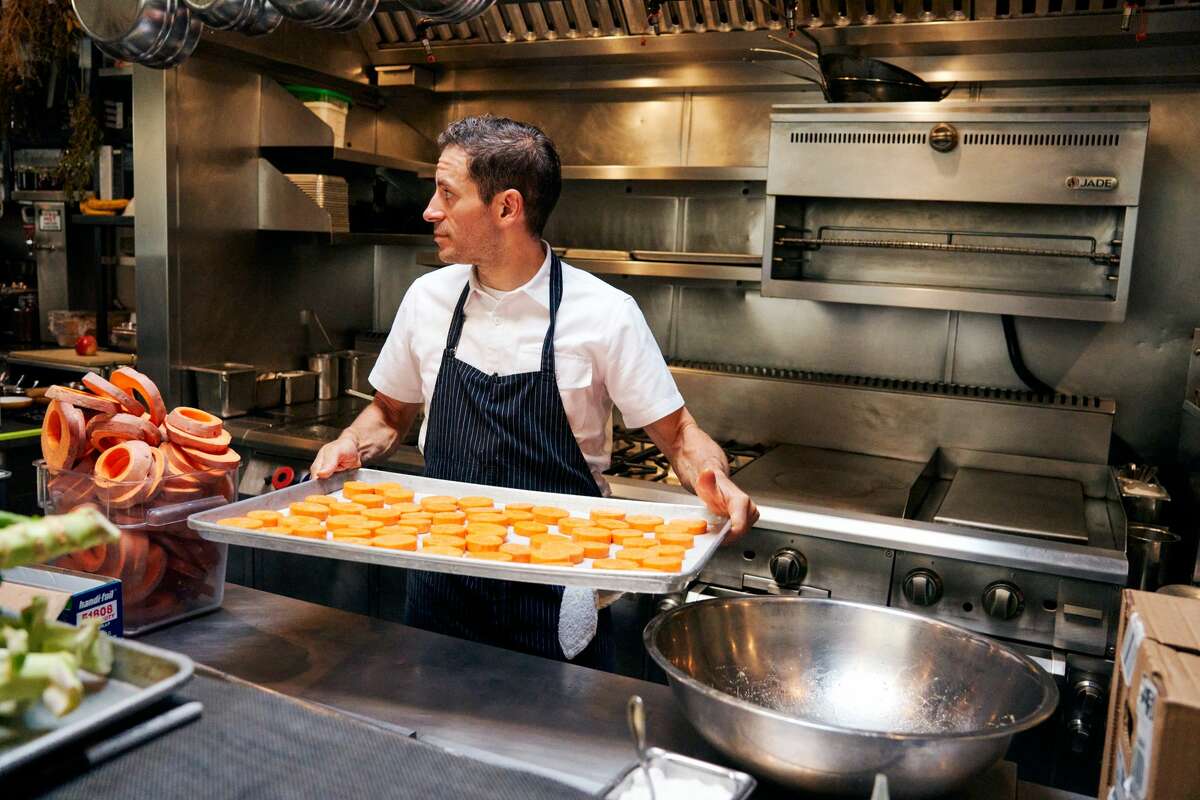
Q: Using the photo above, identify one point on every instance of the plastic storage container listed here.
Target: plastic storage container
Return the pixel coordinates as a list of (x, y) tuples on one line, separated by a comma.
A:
[(332, 107), (167, 571)]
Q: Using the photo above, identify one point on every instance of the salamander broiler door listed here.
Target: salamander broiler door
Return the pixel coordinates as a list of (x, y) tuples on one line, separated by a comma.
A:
[(991, 207)]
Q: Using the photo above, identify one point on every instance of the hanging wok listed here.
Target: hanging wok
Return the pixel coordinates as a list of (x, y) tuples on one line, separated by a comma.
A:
[(855, 79)]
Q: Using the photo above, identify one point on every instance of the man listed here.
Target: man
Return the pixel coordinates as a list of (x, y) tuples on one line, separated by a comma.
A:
[(517, 360)]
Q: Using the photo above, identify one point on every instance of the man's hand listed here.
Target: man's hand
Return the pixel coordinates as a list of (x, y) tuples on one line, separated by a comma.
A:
[(337, 456), (722, 496)]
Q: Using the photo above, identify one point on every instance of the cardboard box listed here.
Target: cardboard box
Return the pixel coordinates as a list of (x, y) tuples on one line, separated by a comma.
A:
[(72, 597), (1152, 749)]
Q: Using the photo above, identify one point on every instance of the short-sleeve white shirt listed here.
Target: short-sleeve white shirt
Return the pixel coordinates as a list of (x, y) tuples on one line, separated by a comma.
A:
[(604, 351)]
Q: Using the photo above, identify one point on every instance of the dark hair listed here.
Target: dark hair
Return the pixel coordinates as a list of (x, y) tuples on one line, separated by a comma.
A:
[(506, 154)]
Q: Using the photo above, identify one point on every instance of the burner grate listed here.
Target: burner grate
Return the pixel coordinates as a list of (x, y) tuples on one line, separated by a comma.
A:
[(635, 455)]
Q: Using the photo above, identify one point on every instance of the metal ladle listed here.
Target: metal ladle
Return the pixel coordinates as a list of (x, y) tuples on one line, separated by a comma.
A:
[(636, 716)]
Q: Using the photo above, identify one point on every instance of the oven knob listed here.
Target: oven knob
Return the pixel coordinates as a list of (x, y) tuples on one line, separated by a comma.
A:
[(788, 567), (1003, 601), (943, 138), (922, 587)]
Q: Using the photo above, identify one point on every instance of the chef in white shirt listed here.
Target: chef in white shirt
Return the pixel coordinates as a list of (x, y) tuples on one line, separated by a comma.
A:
[(517, 359)]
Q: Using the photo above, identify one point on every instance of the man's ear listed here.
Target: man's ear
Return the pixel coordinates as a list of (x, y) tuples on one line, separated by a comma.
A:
[(510, 206)]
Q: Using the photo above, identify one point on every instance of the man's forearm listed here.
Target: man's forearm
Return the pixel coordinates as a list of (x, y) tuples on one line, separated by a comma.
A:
[(689, 449), (380, 427)]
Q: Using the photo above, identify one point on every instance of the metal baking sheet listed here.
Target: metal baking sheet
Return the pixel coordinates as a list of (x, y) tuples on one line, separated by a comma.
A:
[(141, 675), (579, 575), (697, 258)]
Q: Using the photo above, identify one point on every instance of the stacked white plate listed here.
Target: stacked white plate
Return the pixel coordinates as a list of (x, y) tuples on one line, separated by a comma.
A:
[(331, 193)]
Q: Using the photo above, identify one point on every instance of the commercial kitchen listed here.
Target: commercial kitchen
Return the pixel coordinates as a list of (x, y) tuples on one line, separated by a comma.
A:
[(925, 271)]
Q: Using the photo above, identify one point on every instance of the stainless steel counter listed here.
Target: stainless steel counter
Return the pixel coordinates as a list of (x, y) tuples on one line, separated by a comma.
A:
[(500, 706)]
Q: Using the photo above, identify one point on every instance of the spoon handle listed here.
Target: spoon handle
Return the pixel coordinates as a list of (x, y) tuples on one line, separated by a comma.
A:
[(636, 716)]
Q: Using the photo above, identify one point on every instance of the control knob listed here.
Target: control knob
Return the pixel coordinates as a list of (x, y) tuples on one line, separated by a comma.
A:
[(922, 587), (788, 567), (1003, 601)]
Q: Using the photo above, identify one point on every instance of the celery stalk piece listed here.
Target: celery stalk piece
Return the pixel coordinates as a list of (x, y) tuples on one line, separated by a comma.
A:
[(35, 541)]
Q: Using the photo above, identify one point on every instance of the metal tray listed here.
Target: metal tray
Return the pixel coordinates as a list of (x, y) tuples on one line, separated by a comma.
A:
[(697, 258), (579, 575), (141, 676), (738, 785)]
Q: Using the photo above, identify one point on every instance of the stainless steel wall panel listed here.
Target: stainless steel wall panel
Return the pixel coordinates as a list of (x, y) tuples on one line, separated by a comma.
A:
[(642, 222), (723, 224), (629, 132), (857, 340), (906, 426), (394, 268), (341, 55), (733, 129)]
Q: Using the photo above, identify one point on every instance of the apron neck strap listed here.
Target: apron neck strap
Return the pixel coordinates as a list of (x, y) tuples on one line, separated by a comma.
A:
[(556, 292)]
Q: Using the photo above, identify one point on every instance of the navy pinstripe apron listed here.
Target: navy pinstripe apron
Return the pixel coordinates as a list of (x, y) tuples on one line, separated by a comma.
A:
[(503, 430)]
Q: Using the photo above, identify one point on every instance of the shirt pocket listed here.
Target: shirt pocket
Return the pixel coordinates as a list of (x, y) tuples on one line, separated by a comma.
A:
[(572, 372)]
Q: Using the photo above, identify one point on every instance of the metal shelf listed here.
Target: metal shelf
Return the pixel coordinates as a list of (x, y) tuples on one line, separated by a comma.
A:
[(322, 159), (676, 270), (621, 172), (397, 239)]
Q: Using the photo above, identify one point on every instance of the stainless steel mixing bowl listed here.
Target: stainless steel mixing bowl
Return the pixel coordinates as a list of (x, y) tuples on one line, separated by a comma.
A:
[(821, 694)]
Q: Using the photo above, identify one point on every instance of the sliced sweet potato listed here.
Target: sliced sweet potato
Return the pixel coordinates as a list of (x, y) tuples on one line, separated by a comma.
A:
[(214, 444), (114, 561), (133, 571), (80, 399), (141, 387), (156, 567), (64, 433), (91, 559), (195, 422), (110, 391), (122, 427), (227, 460)]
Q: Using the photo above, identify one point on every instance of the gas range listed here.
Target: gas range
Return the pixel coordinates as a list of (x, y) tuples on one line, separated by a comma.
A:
[(634, 455)]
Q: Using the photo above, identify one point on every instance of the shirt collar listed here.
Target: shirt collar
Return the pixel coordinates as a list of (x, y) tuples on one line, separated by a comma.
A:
[(537, 287)]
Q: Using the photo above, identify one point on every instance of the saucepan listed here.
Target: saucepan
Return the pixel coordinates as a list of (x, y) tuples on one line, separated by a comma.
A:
[(821, 695), (854, 79)]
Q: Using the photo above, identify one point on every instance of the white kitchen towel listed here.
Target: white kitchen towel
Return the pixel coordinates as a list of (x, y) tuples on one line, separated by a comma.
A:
[(576, 620)]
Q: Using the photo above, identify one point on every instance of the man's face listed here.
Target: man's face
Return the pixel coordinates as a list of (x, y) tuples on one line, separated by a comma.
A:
[(463, 228)]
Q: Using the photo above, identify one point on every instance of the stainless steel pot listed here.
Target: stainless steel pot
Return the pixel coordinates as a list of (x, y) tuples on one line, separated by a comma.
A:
[(1150, 550), (327, 367), (221, 15), (821, 695), (128, 27), (356, 368)]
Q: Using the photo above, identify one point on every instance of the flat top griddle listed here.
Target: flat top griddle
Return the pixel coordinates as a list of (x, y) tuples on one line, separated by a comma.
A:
[(1033, 505), (832, 479)]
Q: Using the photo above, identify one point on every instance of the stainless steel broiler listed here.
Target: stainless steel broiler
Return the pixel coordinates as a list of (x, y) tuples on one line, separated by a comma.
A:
[(1005, 208)]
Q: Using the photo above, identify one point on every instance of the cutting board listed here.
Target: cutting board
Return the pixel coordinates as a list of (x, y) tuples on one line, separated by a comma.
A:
[(66, 356)]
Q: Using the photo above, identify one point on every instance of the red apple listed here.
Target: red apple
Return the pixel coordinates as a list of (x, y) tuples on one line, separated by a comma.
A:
[(85, 346)]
